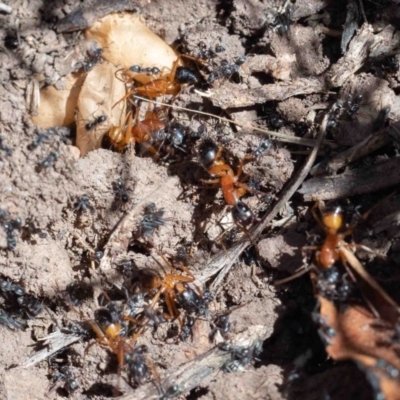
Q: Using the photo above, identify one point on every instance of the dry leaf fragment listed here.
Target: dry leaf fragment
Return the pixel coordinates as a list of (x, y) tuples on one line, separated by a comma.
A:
[(98, 95), (127, 41), (57, 107)]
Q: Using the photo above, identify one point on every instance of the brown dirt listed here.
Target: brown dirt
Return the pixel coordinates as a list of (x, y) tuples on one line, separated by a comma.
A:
[(46, 264)]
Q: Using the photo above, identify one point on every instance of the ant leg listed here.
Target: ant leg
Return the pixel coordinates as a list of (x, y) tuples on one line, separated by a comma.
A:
[(300, 272), (316, 216), (244, 161), (170, 300)]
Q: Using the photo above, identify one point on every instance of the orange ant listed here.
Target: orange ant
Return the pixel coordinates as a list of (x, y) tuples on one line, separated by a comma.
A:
[(168, 84), (170, 286), (336, 285), (142, 132), (211, 158), (232, 189)]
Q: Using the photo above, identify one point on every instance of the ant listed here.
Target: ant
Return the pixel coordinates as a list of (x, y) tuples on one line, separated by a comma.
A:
[(111, 330), (147, 70), (152, 219), (63, 377), (186, 330), (273, 118), (221, 325), (169, 84), (136, 362), (9, 228), (171, 392), (171, 286), (353, 105), (82, 204), (191, 301), (211, 158), (94, 57), (241, 355), (120, 191), (263, 148), (10, 322), (40, 139), (48, 161), (282, 21), (9, 287), (98, 120), (5, 148)]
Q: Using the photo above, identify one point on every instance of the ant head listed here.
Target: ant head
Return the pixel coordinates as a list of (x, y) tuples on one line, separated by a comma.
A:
[(242, 215), (333, 218), (207, 152)]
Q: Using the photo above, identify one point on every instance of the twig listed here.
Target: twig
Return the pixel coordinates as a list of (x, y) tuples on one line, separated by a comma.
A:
[(352, 182), (5, 9), (371, 143), (52, 344), (191, 374), (279, 136), (224, 260)]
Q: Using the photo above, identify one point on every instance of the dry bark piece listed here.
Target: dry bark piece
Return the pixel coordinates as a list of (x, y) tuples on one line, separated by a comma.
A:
[(100, 91), (352, 182), (229, 96), (364, 45), (127, 41), (57, 107)]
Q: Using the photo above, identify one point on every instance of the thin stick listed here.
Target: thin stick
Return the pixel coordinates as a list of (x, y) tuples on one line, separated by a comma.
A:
[(280, 136), (223, 261)]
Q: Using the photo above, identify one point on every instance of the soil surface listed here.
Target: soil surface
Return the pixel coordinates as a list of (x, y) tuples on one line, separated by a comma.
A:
[(56, 240)]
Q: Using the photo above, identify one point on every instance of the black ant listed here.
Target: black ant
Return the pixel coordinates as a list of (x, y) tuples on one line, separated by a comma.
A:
[(221, 325), (152, 219), (185, 75), (353, 105), (191, 301), (171, 392), (10, 322), (146, 70), (63, 377), (263, 148), (282, 21), (5, 148), (94, 57), (273, 118), (9, 287), (226, 70), (98, 120), (48, 161), (186, 330), (31, 306), (40, 139), (137, 366), (9, 228), (83, 204), (120, 191), (155, 317), (241, 355)]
